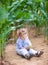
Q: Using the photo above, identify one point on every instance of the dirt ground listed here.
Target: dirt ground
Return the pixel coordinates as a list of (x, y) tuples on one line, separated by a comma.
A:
[(38, 44)]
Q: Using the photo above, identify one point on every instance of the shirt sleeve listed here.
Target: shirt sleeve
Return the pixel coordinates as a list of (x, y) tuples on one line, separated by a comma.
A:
[(29, 42), (18, 44)]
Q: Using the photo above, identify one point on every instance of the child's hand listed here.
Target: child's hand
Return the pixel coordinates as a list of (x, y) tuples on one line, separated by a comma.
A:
[(26, 48), (29, 47)]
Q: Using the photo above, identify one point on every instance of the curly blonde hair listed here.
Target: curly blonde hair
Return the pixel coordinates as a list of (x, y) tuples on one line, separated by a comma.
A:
[(21, 30)]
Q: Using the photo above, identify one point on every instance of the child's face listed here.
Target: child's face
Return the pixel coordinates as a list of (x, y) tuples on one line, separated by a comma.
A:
[(24, 35)]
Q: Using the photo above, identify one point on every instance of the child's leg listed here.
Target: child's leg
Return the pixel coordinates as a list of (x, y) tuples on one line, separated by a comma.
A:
[(32, 52), (23, 52), (35, 53)]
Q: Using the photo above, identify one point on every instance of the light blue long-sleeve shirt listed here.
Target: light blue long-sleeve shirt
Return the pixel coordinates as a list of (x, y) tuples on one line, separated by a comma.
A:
[(22, 43)]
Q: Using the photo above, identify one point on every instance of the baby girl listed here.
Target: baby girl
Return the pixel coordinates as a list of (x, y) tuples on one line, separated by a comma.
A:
[(24, 45)]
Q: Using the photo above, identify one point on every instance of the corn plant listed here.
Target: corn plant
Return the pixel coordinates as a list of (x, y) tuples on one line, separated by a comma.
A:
[(4, 31)]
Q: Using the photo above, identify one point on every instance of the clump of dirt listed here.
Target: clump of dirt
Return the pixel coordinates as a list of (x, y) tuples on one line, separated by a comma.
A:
[(4, 62)]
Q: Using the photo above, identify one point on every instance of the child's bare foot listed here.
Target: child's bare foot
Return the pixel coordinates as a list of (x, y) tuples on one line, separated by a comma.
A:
[(39, 53)]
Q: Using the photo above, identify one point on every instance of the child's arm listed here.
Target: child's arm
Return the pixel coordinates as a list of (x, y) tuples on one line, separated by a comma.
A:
[(29, 44)]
